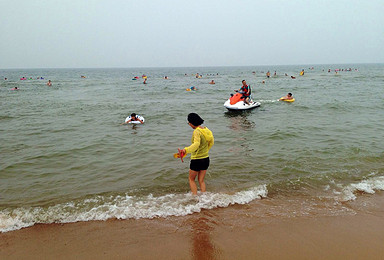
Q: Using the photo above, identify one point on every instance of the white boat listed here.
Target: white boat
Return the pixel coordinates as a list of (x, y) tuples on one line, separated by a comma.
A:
[(236, 102)]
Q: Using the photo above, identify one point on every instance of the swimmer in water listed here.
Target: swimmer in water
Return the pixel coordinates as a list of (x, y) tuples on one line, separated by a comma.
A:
[(212, 82), (133, 118), (49, 83), (287, 97)]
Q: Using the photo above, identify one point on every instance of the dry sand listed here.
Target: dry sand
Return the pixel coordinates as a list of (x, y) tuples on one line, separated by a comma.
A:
[(211, 234)]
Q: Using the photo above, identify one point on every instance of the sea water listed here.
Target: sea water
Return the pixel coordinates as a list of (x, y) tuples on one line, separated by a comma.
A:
[(65, 157)]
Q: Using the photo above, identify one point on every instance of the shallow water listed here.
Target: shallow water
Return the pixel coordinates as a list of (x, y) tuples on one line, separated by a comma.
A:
[(65, 157)]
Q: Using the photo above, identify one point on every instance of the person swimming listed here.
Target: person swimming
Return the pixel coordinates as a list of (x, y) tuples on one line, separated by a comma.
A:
[(133, 118), (287, 97)]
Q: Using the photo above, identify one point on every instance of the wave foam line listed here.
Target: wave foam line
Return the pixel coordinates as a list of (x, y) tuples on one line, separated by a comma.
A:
[(368, 186), (124, 207)]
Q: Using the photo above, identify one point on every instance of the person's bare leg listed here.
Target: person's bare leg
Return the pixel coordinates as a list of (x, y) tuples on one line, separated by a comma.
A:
[(200, 177), (192, 183)]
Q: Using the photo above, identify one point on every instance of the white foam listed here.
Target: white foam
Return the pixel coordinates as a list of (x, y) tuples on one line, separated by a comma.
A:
[(268, 101), (370, 186), (125, 207)]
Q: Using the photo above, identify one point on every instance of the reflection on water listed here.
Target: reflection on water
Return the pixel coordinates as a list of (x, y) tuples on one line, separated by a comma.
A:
[(202, 245), (239, 120)]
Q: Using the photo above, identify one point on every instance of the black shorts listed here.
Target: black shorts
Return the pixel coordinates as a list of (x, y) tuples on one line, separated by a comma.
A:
[(199, 164)]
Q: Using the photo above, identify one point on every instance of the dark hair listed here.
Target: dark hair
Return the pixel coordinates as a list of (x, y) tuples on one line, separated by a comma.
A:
[(133, 115), (195, 119), (242, 80), (289, 94)]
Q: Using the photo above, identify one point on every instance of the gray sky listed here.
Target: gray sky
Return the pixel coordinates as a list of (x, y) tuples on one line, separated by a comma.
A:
[(179, 33)]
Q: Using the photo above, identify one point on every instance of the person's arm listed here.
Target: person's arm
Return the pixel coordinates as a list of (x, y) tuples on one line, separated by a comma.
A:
[(129, 120), (141, 121), (195, 143), (211, 143)]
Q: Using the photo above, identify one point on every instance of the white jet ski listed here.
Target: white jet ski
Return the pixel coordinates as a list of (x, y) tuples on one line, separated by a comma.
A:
[(236, 102)]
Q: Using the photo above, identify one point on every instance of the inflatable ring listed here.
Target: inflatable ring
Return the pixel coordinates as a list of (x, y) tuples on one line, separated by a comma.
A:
[(287, 100), (135, 122)]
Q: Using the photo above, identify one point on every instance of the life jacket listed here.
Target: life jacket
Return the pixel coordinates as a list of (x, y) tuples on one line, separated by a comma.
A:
[(245, 90)]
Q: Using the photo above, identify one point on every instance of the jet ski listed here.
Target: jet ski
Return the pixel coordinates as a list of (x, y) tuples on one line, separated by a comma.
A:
[(236, 102)]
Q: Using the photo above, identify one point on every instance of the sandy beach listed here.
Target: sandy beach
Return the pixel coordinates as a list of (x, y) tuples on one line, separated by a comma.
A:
[(226, 233)]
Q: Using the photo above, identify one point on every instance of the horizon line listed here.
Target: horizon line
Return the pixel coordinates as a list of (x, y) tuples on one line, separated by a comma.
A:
[(210, 66)]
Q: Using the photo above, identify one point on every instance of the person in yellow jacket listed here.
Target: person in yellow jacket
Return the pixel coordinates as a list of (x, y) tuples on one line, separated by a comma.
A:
[(202, 141)]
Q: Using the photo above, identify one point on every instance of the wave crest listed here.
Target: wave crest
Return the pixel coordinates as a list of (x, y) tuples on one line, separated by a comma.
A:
[(124, 207)]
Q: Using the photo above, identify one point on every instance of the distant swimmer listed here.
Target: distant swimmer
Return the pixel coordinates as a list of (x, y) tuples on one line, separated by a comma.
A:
[(15, 88), (268, 74), (83, 77), (302, 73), (292, 77), (145, 81), (49, 83), (274, 74), (212, 82), (191, 88), (166, 77)]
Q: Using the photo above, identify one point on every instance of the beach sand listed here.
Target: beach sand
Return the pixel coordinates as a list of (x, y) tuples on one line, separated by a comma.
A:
[(224, 233)]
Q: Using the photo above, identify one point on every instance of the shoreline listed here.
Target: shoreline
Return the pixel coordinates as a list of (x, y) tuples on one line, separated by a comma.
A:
[(223, 233)]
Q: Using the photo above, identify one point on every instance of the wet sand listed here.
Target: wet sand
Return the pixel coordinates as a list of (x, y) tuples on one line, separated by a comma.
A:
[(228, 233)]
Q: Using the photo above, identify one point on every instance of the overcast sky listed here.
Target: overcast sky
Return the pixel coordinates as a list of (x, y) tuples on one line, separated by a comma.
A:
[(179, 33)]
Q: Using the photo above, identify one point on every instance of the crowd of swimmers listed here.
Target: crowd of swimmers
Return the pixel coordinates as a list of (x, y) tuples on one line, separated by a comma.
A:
[(199, 76)]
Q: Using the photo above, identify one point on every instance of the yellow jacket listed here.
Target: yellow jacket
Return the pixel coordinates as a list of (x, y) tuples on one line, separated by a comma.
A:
[(202, 141)]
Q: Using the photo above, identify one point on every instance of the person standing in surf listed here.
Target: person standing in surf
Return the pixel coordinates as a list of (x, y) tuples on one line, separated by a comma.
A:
[(202, 141)]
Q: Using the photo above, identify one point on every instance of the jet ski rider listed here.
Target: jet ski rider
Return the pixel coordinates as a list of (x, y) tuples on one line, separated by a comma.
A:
[(245, 90)]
